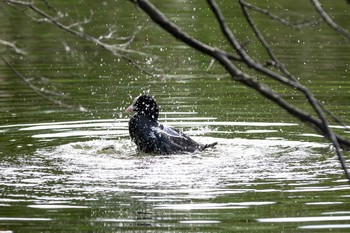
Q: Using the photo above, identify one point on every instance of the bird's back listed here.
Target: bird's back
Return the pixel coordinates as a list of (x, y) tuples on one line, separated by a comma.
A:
[(152, 137)]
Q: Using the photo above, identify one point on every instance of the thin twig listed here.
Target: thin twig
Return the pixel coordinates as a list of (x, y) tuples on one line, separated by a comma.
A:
[(49, 6), (115, 49), (329, 21), (13, 46), (278, 63), (41, 92), (82, 22), (326, 130), (242, 77), (262, 40), (244, 55), (280, 19), (210, 64)]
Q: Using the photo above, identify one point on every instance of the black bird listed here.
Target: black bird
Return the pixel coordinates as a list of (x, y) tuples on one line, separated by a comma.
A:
[(153, 137)]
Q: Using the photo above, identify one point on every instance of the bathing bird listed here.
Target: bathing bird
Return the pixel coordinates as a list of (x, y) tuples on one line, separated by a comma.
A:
[(152, 137)]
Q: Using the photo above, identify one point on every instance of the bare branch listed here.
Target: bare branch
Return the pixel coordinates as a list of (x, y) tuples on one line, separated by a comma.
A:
[(324, 126), (13, 46), (244, 55), (320, 124), (82, 22), (262, 40), (47, 94), (276, 62), (280, 19), (279, 64), (50, 7), (210, 64), (118, 50), (329, 21)]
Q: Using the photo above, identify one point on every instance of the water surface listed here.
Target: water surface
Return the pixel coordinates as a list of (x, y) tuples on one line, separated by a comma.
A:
[(65, 170)]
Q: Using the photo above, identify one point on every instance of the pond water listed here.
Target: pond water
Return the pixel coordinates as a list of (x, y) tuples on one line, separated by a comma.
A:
[(64, 170)]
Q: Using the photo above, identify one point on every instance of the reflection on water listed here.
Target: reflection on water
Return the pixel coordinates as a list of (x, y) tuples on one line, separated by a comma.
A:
[(104, 181), (65, 171)]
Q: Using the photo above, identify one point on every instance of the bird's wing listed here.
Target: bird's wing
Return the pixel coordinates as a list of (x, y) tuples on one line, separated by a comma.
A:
[(170, 140)]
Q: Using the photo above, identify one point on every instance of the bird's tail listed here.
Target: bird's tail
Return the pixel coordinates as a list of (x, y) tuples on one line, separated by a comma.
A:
[(211, 145)]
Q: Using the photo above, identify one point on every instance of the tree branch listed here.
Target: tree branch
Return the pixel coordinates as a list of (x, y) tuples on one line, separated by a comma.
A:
[(329, 21), (280, 19), (48, 95), (116, 49), (320, 125), (13, 46), (278, 63)]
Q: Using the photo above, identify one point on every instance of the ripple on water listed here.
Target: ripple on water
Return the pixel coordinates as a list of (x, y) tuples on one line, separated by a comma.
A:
[(96, 162), (114, 166), (110, 163)]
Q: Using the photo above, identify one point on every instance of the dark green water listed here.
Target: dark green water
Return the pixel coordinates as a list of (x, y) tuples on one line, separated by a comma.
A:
[(269, 172)]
